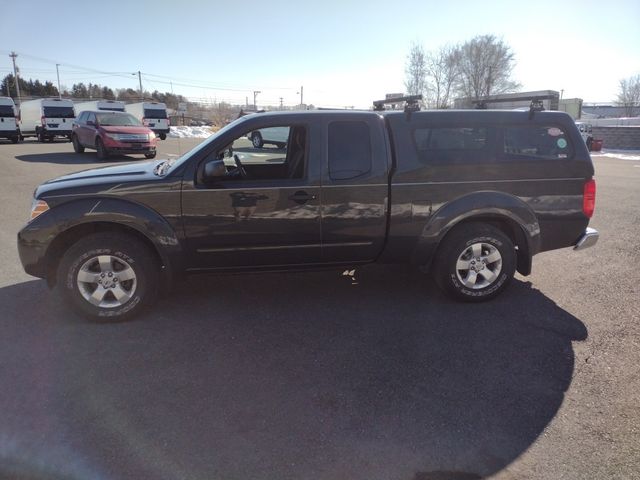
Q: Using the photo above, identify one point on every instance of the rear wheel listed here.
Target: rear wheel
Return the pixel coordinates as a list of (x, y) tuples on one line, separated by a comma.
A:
[(150, 155), (108, 276), (15, 139), (163, 136), (475, 262), (76, 144), (101, 151), (41, 136)]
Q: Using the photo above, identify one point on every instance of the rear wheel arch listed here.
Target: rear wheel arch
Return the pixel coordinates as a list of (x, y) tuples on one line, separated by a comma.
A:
[(512, 229)]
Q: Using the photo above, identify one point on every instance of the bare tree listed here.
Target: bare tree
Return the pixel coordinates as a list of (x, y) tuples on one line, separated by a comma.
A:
[(416, 71), (629, 95), (443, 69), (486, 64)]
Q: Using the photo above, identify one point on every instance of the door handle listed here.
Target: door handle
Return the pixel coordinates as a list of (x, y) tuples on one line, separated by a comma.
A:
[(301, 197)]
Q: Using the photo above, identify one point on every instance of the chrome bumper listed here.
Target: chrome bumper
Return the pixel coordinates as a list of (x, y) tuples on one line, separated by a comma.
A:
[(588, 239)]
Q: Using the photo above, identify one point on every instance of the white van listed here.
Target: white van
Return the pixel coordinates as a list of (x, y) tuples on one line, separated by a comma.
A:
[(153, 115), (109, 105), (9, 120), (47, 118)]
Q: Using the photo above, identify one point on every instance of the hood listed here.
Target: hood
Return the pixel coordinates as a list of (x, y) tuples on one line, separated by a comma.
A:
[(125, 129), (99, 180)]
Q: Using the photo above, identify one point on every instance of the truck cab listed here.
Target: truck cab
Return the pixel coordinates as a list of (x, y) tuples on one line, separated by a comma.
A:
[(9, 127)]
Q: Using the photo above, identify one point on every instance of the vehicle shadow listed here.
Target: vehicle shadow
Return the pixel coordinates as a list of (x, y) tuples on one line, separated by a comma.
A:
[(72, 158), (285, 376)]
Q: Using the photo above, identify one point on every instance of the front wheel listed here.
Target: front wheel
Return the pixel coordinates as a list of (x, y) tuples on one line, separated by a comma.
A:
[(475, 262), (150, 155), (108, 276), (256, 140), (100, 150)]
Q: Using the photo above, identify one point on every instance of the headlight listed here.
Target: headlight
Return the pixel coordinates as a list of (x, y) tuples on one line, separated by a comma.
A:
[(152, 136), (38, 207)]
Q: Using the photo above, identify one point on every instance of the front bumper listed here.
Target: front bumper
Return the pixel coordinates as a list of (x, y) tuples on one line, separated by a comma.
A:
[(588, 239)]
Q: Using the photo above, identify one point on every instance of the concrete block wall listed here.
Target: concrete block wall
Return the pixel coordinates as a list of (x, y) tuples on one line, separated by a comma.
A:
[(623, 138)]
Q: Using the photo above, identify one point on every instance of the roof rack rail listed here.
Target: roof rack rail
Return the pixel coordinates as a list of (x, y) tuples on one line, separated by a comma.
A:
[(412, 103)]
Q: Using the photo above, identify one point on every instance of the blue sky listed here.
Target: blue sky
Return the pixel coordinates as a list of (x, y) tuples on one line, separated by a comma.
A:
[(343, 52)]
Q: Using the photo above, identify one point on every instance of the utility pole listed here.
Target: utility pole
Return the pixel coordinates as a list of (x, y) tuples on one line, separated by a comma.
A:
[(15, 75), (255, 96), (58, 75), (281, 103), (140, 80), (301, 92)]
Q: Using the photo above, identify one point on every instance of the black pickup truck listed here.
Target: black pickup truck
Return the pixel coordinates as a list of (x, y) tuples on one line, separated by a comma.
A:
[(470, 195)]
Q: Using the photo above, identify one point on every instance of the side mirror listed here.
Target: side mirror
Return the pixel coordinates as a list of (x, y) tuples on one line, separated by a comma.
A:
[(214, 169), (91, 123)]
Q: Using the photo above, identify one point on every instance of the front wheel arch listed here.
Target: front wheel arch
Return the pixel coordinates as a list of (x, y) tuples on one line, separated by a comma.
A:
[(64, 240)]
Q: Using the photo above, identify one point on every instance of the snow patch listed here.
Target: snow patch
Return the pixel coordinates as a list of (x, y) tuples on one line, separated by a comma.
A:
[(620, 154), (190, 132)]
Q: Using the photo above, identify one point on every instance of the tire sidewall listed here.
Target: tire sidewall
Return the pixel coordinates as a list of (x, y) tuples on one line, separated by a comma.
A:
[(137, 259)]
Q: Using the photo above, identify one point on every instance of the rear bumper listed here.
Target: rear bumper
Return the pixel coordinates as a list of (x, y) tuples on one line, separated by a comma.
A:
[(159, 130), (9, 133), (56, 132), (588, 239)]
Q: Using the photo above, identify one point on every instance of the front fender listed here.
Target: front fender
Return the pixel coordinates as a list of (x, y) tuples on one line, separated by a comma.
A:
[(497, 206), (41, 238)]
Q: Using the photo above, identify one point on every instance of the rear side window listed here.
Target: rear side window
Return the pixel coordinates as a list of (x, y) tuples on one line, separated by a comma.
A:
[(155, 113), (460, 138), (537, 141), (349, 150), (6, 111)]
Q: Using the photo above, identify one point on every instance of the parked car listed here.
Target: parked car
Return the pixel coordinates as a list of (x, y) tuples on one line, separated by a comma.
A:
[(112, 133), (152, 115), (47, 118), (471, 196), (277, 136), (9, 120)]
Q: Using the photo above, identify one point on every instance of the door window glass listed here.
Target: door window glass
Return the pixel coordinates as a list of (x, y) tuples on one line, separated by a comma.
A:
[(349, 150)]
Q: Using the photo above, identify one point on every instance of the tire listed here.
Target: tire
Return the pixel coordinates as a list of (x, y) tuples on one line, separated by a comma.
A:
[(150, 155), (76, 144), (163, 136), (91, 277), (102, 152), (15, 139), (489, 258), (281, 145), (40, 135), (589, 143), (256, 140)]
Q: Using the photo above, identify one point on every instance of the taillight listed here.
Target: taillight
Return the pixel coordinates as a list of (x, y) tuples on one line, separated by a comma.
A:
[(168, 122), (589, 197), (43, 120), (144, 120)]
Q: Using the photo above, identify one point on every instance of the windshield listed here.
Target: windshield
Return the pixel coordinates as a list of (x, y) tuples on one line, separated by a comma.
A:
[(6, 111), (117, 120), (175, 163), (155, 113), (59, 112)]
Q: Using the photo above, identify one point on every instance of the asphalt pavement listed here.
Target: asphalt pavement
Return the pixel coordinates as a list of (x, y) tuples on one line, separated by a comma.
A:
[(306, 376)]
